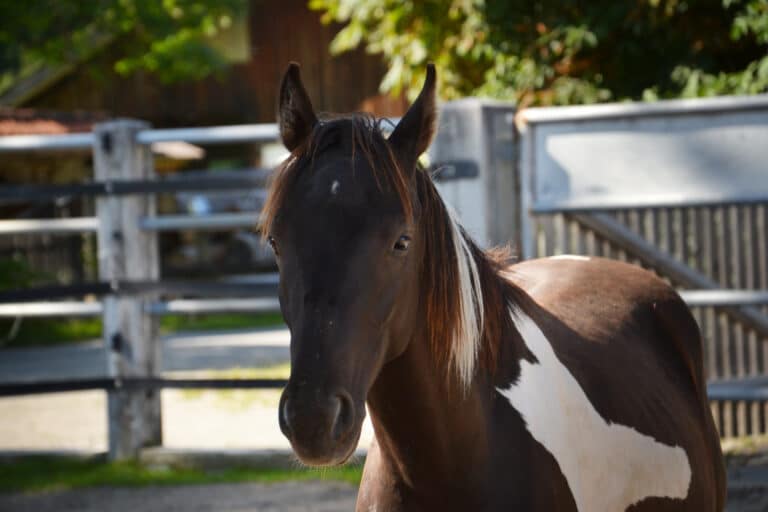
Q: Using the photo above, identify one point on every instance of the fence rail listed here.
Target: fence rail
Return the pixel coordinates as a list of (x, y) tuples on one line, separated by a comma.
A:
[(715, 253), (134, 384), (77, 141), (130, 288)]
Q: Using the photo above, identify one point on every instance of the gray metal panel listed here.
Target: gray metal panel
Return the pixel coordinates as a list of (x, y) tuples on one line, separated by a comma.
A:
[(459, 136), (480, 131), (657, 159)]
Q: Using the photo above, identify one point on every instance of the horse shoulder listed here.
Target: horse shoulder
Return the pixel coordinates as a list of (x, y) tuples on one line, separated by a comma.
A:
[(620, 364)]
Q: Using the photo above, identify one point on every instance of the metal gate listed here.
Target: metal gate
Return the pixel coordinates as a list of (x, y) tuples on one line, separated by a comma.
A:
[(680, 188)]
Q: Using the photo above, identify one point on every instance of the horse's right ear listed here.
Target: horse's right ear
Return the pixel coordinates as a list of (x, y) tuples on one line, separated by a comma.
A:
[(295, 115), (413, 134)]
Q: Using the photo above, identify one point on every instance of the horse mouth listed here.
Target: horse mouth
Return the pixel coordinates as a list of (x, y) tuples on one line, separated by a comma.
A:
[(337, 455)]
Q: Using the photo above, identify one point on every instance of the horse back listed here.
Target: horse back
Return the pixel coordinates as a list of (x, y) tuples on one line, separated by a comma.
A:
[(634, 349)]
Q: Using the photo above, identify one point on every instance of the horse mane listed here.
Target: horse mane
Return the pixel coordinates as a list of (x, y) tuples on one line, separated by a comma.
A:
[(367, 138), (466, 301)]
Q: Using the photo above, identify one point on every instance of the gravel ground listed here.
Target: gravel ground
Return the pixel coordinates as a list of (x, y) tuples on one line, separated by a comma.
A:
[(748, 481), (280, 497), (747, 489)]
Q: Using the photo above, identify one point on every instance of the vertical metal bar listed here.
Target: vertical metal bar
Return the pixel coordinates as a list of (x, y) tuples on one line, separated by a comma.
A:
[(741, 418), (714, 409), (706, 228), (754, 417), (590, 243), (715, 362), (736, 239), (620, 216), (561, 231), (761, 271), (527, 141), (540, 236), (723, 272), (678, 239), (633, 221), (727, 409), (723, 324), (577, 238), (664, 235), (750, 281)]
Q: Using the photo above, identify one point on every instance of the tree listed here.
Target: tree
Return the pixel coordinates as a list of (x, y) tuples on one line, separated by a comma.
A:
[(563, 51), (164, 37)]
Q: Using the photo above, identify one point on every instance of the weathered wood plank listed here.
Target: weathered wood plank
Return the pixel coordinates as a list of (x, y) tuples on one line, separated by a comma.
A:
[(128, 252)]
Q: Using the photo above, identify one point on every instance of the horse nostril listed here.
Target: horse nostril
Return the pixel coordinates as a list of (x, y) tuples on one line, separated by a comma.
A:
[(282, 411), (344, 418)]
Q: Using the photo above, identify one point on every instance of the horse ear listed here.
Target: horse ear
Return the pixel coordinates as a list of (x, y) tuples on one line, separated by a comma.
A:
[(413, 134), (295, 115)]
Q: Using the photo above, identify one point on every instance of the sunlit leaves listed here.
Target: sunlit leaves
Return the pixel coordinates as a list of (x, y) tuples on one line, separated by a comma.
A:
[(562, 51), (165, 37)]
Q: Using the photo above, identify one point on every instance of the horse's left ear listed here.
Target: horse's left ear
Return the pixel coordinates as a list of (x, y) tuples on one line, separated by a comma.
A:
[(295, 115), (413, 134)]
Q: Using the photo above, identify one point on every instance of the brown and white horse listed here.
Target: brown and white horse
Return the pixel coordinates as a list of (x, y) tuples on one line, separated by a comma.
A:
[(558, 384)]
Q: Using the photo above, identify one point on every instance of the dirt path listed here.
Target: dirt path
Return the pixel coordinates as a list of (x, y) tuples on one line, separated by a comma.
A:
[(282, 497), (199, 420), (746, 496)]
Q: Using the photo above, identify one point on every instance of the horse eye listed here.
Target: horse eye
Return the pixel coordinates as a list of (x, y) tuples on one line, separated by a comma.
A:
[(272, 244), (402, 243)]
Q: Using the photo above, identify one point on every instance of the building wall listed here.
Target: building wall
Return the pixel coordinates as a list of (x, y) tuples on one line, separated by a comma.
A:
[(280, 32)]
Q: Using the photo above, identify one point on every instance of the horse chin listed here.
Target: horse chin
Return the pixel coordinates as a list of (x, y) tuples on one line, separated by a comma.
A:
[(336, 455)]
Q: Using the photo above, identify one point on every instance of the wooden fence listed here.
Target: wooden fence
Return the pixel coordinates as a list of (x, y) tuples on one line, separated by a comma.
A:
[(130, 286), (715, 251)]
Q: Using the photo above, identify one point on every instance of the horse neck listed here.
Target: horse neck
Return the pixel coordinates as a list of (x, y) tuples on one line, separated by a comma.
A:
[(430, 426), (427, 428)]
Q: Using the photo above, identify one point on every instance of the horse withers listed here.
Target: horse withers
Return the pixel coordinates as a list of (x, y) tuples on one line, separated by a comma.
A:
[(557, 384)]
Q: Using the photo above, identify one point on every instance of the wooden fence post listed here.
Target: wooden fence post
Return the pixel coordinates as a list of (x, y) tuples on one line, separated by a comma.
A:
[(127, 252)]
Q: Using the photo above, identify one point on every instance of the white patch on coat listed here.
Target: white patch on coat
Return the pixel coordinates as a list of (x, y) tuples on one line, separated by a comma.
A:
[(608, 466), (466, 344), (335, 187), (575, 257)]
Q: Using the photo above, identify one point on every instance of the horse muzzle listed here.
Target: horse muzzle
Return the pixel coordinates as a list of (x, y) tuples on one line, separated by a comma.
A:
[(322, 426)]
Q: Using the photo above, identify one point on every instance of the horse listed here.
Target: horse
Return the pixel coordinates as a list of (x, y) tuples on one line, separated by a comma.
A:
[(555, 384)]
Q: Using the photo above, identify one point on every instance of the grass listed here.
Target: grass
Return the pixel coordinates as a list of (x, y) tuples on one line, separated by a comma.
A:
[(57, 473), (47, 332), (744, 445), (176, 323)]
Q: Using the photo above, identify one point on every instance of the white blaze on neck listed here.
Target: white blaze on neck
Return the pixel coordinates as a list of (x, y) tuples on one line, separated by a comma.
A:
[(608, 466), (465, 346), (335, 187)]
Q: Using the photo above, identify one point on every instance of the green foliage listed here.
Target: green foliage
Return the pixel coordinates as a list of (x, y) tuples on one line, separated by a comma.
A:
[(164, 37), (48, 331), (177, 323), (16, 274), (564, 51), (53, 473), (750, 23)]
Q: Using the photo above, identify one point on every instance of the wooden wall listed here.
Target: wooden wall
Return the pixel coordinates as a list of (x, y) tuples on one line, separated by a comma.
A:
[(279, 32)]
